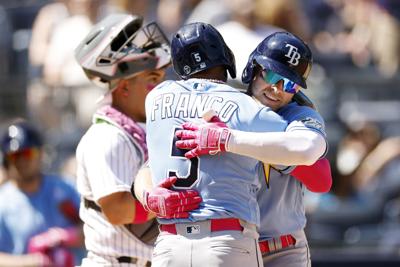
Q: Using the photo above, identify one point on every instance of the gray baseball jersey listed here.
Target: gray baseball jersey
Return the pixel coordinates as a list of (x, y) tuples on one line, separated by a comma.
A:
[(281, 195), (227, 182)]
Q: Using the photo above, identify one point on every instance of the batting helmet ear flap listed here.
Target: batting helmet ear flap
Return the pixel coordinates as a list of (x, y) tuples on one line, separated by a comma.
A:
[(253, 71), (231, 63), (248, 72)]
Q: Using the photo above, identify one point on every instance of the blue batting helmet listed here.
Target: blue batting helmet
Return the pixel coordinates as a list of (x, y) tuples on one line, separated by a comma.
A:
[(283, 53), (199, 46), (19, 136)]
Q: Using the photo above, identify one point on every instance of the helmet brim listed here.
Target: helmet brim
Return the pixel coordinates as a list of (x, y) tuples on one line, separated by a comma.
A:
[(281, 70)]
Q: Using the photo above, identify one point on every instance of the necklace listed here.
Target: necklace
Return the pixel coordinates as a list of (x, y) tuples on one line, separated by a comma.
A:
[(211, 80)]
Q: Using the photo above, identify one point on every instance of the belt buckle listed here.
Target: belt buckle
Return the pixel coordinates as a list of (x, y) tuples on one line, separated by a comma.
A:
[(193, 229)]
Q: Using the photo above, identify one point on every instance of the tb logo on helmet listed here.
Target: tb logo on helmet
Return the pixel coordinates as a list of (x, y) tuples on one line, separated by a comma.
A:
[(293, 55)]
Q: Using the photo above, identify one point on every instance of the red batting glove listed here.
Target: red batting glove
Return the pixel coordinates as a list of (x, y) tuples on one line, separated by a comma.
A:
[(168, 204), (203, 139)]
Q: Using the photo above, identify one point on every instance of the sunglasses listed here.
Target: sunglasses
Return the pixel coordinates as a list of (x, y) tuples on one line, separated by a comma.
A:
[(273, 78), (26, 154)]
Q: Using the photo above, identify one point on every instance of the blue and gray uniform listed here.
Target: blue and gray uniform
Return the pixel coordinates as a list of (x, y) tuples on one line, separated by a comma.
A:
[(24, 215), (227, 182), (281, 195)]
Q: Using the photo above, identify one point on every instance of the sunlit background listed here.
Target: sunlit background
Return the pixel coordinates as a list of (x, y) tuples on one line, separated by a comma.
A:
[(355, 84)]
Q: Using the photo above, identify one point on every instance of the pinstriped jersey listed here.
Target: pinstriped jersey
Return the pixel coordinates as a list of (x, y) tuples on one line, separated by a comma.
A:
[(226, 182), (281, 195), (108, 160)]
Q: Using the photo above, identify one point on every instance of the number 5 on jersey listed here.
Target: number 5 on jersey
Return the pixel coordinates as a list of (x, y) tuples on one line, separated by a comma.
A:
[(190, 178)]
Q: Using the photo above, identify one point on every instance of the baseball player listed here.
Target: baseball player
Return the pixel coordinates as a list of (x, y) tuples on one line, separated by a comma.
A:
[(222, 231), (129, 58), (276, 70), (39, 221), (282, 239)]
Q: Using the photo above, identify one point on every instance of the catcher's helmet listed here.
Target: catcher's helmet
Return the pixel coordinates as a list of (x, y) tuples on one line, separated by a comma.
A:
[(283, 53), (119, 46), (18, 136), (199, 46)]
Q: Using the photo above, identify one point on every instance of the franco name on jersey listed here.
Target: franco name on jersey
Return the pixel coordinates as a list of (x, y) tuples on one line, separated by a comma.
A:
[(189, 105)]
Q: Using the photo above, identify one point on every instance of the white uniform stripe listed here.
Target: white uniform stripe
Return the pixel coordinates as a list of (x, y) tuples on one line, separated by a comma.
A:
[(271, 245), (278, 243)]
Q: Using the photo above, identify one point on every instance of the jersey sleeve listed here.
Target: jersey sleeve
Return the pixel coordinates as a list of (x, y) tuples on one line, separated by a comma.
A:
[(304, 118), (263, 120), (111, 162)]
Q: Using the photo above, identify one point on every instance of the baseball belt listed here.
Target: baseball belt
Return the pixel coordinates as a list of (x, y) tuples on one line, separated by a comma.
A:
[(147, 232), (275, 244), (229, 224), (132, 260), (89, 204)]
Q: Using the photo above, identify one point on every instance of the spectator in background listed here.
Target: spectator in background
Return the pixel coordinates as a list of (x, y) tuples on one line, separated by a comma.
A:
[(364, 205), (242, 26), (352, 150), (359, 140), (379, 170), (39, 221), (385, 37), (171, 14), (213, 12), (367, 31), (43, 28), (58, 95), (250, 21), (347, 204), (284, 14), (140, 7)]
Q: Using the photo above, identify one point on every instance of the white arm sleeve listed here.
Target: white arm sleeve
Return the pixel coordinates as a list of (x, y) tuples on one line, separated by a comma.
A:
[(286, 148)]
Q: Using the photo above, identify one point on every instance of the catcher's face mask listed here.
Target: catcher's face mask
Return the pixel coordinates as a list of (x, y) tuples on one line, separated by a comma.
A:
[(131, 44)]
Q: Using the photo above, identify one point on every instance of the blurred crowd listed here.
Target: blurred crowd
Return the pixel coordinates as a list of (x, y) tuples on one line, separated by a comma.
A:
[(354, 84)]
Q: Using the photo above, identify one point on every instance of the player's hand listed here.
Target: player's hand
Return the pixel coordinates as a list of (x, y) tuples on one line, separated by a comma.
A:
[(168, 204), (203, 139), (52, 238)]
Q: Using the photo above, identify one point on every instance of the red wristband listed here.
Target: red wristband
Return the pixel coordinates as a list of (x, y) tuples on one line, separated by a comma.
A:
[(141, 215)]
